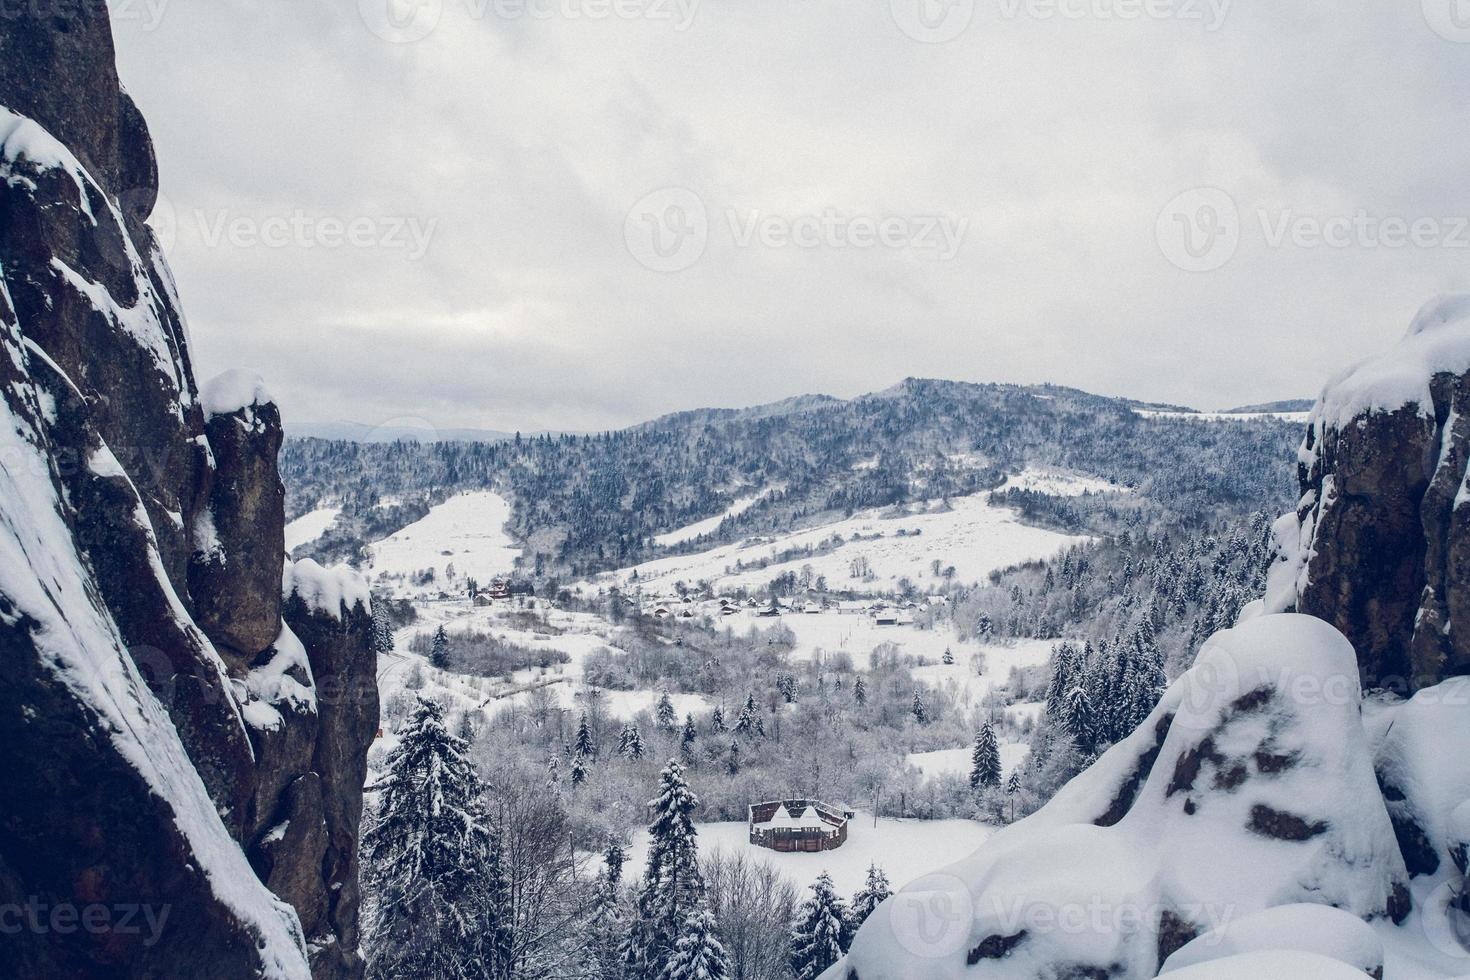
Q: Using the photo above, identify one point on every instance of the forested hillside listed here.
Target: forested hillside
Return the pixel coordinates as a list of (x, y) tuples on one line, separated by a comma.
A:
[(583, 503)]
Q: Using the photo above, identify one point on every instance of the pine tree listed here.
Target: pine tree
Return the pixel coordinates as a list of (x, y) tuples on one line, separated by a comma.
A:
[(686, 740), (820, 935), (920, 709), (985, 759), (584, 744), (873, 893), (948, 657), (717, 721), (433, 862), (553, 771), (439, 653), (382, 632), (1077, 716), (605, 927), (664, 716), (860, 692), (672, 884), (698, 954), (630, 742), (579, 771)]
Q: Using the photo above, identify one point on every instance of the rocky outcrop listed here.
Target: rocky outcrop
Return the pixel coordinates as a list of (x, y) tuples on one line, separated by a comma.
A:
[(1250, 786), (182, 769), (1380, 543)]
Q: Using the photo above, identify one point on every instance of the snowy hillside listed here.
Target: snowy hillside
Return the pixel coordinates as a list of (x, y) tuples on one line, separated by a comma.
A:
[(869, 553), (465, 534)]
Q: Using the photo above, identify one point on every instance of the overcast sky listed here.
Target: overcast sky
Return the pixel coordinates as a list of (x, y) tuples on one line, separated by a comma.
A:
[(578, 214)]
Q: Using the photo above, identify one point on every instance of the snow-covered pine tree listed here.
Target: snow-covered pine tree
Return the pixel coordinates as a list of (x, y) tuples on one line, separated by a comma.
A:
[(605, 926), (553, 771), (382, 632), (698, 955), (717, 720), (439, 653), (745, 724), (920, 708), (664, 715), (630, 742), (860, 692), (433, 862), (672, 884), (579, 770), (948, 658), (690, 733), (819, 937), (1077, 718), (584, 745), (985, 759), (873, 893), (733, 766)]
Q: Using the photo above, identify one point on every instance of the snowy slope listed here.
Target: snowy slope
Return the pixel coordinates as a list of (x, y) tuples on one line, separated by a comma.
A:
[(710, 524), (967, 533), (466, 531), (310, 526)]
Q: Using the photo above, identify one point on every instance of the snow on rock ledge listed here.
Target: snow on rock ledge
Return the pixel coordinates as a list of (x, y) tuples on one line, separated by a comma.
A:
[(232, 391), (332, 591), (1249, 787)]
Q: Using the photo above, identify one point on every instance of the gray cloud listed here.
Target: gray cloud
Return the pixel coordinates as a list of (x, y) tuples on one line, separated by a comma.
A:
[(524, 143)]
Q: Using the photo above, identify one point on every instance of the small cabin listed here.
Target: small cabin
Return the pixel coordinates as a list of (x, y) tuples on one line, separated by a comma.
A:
[(499, 589), (798, 825)]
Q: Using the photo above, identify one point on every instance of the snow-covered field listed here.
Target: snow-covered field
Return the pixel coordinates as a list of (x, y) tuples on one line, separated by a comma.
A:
[(878, 548), (905, 849), (467, 531), (956, 762), (310, 526)]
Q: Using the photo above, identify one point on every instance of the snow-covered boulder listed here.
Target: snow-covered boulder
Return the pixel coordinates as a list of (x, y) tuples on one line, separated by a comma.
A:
[(1379, 545), (1250, 786), (1300, 928), (1421, 766)]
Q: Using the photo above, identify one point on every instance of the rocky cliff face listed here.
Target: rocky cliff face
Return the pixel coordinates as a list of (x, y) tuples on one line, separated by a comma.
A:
[(183, 733), (1380, 545)]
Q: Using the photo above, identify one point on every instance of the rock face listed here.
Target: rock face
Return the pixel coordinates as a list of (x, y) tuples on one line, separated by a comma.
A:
[(182, 766), (1380, 545), (1251, 786)]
